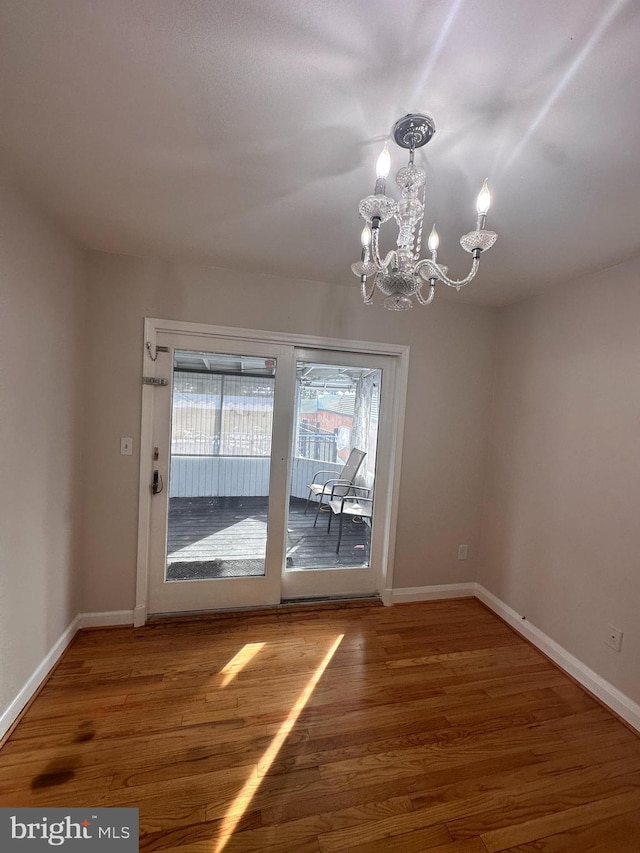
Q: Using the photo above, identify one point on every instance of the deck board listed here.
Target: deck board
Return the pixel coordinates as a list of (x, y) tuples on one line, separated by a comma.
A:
[(221, 536)]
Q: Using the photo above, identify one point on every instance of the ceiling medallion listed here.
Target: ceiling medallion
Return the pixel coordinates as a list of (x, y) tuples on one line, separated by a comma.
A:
[(401, 275)]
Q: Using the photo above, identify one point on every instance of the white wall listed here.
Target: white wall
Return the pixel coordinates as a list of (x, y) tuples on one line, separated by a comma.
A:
[(562, 510), (447, 417), (41, 303)]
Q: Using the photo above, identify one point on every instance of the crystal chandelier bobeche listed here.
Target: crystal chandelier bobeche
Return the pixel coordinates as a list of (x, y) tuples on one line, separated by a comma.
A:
[(401, 274)]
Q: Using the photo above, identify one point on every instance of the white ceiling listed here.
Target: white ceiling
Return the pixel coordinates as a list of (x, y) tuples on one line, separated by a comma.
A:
[(243, 134)]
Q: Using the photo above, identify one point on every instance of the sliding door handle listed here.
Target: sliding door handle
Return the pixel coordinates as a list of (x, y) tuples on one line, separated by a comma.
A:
[(157, 484)]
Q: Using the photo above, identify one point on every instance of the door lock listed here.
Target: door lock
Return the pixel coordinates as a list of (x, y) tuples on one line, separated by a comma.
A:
[(157, 484)]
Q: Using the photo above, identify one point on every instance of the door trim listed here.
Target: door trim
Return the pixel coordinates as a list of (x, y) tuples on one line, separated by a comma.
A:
[(152, 326)]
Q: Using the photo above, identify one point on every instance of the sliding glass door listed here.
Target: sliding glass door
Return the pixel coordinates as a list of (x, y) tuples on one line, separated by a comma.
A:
[(265, 480)]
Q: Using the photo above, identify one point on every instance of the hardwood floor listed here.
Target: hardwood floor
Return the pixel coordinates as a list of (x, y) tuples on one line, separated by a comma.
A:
[(420, 727)]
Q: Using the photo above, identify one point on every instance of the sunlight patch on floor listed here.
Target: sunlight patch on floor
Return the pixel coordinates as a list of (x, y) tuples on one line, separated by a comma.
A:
[(239, 806), (239, 661)]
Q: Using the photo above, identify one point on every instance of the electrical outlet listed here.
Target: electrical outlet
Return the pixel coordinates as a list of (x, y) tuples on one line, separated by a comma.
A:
[(614, 638), (463, 551)]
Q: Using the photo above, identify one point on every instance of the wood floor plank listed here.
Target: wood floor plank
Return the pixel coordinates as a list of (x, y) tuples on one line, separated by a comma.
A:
[(407, 842), (464, 845), (616, 835), (376, 831), (559, 822), (547, 797), (433, 728)]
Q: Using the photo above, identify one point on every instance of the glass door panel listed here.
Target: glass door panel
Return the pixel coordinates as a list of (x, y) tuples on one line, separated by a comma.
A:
[(217, 515), (222, 420), (333, 461), (336, 442)]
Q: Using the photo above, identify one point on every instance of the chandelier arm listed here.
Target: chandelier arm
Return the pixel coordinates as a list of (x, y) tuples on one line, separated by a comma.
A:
[(429, 299), (436, 272), (375, 251), (367, 298)]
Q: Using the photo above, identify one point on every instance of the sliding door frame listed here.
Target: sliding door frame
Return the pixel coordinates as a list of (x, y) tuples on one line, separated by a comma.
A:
[(388, 500)]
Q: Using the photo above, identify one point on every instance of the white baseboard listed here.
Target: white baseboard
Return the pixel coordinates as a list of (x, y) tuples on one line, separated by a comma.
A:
[(140, 616), (11, 714), (429, 593), (613, 698), (83, 620), (103, 620)]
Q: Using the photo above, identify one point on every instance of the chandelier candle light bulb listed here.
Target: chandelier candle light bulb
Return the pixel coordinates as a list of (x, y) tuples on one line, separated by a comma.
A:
[(383, 166), (482, 205), (364, 267), (484, 200), (401, 274), (434, 242)]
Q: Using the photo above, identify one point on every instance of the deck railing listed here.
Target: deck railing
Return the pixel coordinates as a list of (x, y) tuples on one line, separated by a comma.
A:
[(235, 476)]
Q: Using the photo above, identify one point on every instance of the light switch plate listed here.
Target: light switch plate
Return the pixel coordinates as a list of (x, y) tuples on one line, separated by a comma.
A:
[(126, 446)]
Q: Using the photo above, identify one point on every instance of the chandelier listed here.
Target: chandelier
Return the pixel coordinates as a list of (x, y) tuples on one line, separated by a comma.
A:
[(401, 275)]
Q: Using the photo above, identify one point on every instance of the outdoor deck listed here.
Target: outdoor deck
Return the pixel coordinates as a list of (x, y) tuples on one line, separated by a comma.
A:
[(226, 537)]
